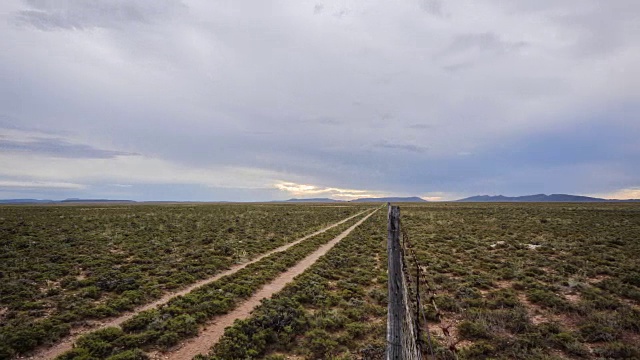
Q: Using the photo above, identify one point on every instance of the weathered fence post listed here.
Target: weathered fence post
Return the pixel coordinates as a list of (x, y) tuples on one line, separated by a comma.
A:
[(395, 314), (417, 326)]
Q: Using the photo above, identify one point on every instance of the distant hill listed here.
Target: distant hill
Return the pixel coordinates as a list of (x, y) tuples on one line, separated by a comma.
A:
[(66, 201), (391, 199), (538, 198), (25, 201), (320, 200), (362, 200), (95, 201)]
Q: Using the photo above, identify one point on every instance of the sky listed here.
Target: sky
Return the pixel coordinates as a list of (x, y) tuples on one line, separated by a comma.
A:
[(257, 100)]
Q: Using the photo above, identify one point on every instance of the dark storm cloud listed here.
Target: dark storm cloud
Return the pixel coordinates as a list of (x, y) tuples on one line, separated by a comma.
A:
[(559, 161)]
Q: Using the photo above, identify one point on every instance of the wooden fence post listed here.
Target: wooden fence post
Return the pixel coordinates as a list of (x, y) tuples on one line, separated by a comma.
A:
[(396, 309), (418, 338)]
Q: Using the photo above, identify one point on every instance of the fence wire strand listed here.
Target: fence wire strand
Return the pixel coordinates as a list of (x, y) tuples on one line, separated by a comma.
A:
[(416, 295)]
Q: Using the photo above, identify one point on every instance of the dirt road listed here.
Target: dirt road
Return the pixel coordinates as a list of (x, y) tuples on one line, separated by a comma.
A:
[(215, 328), (66, 343)]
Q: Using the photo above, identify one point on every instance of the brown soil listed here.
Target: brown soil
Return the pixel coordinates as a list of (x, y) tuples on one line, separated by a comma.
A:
[(598, 278), (215, 328), (67, 343), (572, 298), (538, 315), (503, 284)]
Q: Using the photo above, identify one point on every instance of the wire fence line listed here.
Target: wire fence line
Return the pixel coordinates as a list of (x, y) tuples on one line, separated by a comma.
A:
[(407, 325), (401, 332)]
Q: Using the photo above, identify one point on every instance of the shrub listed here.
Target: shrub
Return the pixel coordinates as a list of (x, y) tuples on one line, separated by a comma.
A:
[(76, 354), (356, 329), (319, 343), (473, 330), (618, 350), (446, 303), (547, 299), (183, 326), (479, 350), (632, 279), (100, 343), (568, 343), (599, 328), (141, 321), (505, 298), (136, 354), (168, 339), (91, 292)]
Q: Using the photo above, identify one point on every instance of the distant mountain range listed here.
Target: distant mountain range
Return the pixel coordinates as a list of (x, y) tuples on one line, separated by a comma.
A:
[(66, 201), (478, 198), (481, 198), (390, 199), (363, 200), (25, 201), (320, 200), (539, 198)]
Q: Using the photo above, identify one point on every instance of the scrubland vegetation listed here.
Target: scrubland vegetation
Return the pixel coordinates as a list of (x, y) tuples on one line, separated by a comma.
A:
[(513, 281), (64, 266), (336, 309), (180, 318), (533, 281)]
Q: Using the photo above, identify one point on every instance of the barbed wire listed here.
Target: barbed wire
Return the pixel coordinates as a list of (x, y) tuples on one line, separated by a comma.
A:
[(422, 278)]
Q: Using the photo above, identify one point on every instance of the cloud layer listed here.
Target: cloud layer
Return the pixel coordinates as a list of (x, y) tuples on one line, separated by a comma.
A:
[(235, 100)]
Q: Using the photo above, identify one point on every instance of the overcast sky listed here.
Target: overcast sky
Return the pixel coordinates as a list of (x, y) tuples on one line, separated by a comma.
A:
[(261, 100)]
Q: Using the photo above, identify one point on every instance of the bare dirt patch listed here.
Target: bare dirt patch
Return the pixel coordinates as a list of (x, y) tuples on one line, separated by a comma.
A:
[(598, 278), (503, 284), (536, 313), (572, 298)]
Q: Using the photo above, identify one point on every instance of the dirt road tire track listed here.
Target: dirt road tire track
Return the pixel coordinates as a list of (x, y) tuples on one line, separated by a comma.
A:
[(214, 329), (66, 343)]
